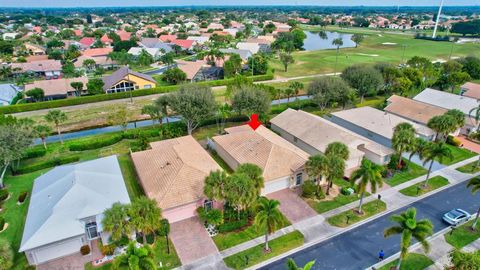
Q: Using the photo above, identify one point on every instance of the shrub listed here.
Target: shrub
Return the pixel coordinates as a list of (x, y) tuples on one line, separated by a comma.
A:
[(212, 216), (232, 225), (320, 194), (94, 143), (393, 163), (47, 164), (85, 250), (22, 196), (309, 189), (30, 267), (35, 152), (3, 194), (2, 223), (453, 141), (345, 191), (108, 249)]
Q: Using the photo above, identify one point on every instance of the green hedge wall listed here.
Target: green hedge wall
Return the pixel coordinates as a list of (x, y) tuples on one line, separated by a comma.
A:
[(47, 164), (94, 143), (25, 107)]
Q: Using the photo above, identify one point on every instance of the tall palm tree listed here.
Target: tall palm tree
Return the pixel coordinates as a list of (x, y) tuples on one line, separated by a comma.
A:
[(288, 93), (368, 173), (403, 139), (337, 149), (337, 42), (254, 173), (145, 216), (142, 258), (409, 227), (214, 185), (240, 191), (296, 86), (56, 117), (435, 151), (474, 184), (335, 170), (418, 147), (475, 115), (268, 217), (42, 131), (291, 265), (163, 102), (316, 166), (117, 222)]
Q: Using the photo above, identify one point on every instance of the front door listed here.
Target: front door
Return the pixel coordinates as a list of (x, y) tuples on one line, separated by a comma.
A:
[(298, 179)]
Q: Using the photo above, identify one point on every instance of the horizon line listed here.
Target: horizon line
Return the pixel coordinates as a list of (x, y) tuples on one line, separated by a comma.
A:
[(233, 5)]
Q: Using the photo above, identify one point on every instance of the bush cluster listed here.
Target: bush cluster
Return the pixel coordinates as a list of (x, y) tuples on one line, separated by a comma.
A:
[(311, 190), (47, 164), (108, 249), (232, 225), (94, 143), (212, 216), (85, 250), (35, 152)]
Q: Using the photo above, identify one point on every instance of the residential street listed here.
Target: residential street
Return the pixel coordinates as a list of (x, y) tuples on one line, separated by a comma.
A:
[(358, 248)]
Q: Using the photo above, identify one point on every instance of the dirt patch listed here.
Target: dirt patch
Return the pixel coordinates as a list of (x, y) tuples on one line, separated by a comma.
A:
[(5, 226)]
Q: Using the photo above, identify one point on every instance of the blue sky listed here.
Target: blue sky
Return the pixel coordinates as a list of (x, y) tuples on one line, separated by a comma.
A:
[(97, 3)]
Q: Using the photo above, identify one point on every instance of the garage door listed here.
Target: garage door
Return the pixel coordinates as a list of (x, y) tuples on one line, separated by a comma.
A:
[(180, 213), (277, 185), (58, 250)]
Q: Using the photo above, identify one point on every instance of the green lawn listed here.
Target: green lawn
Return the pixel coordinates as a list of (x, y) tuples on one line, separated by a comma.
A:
[(459, 154), (256, 254), (231, 239), (473, 167), (413, 261), (417, 189), (351, 216), (414, 171), (340, 200), (463, 235)]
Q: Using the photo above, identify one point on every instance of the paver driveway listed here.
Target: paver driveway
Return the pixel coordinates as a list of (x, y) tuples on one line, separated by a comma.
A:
[(191, 240), (469, 144), (292, 206), (73, 262)]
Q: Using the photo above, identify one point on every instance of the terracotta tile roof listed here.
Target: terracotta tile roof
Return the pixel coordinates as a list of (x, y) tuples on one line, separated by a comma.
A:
[(184, 43), (87, 41), (39, 66), (412, 109), (190, 68), (173, 171), (78, 32), (124, 35), (168, 38), (276, 156), (97, 52), (99, 60), (106, 39), (472, 90), (56, 87), (33, 58)]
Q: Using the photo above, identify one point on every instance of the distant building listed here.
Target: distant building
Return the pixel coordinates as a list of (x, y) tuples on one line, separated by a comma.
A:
[(50, 69), (7, 93), (58, 89), (125, 79)]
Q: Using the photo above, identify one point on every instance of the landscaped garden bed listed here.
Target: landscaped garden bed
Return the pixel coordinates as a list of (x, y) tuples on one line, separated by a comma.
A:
[(473, 167), (413, 261), (418, 189), (410, 172), (352, 216), (463, 235)]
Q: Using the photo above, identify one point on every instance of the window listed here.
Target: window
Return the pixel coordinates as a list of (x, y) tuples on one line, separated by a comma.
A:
[(298, 179), (147, 86), (208, 204), (92, 232)]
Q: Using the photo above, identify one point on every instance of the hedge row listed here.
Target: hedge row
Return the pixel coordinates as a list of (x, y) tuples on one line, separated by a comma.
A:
[(47, 164), (94, 143), (34, 152), (104, 97)]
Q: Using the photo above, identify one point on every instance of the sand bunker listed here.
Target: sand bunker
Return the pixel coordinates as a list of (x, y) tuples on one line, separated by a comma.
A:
[(364, 54), (389, 43)]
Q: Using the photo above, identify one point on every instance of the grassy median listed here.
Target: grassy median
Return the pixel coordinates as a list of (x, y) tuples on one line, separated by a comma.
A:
[(351, 216), (473, 167), (463, 235), (413, 261), (418, 189)]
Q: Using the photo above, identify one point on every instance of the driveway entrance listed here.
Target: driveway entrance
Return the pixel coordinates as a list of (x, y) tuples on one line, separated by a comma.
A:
[(292, 206)]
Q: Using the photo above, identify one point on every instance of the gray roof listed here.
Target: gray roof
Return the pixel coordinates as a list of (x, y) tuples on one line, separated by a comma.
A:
[(156, 43), (120, 74), (68, 193), (447, 100), (244, 54), (7, 93)]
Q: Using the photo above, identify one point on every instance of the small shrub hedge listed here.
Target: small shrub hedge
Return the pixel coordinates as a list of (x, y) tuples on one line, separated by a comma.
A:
[(94, 143), (2, 223), (47, 164), (3, 194), (212, 216), (35, 152), (309, 189), (85, 250), (22, 196), (232, 225), (108, 249)]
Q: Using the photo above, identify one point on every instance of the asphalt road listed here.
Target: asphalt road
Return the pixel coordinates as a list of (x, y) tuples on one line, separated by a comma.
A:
[(358, 248)]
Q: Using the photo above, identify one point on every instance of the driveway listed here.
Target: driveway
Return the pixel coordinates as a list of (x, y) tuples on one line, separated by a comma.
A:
[(292, 206), (467, 144), (73, 262), (191, 240)]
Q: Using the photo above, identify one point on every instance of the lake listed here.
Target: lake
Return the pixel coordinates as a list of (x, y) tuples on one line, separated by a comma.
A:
[(315, 42)]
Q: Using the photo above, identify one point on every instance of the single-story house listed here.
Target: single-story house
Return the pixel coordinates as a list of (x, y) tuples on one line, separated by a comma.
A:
[(100, 61), (173, 174), (283, 163), (215, 26), (168, 38), (125, 79), (106, 40), (313, 134), (198, 39), (34, 49), (376, 125), (154, 52), (249, 46), (58, 89), (155, 43), (471, 90), (95, 52), (10, 36), (244, 54), (66, 208), (50, 69), (86, 42), (184, 43), (192, 69), (7, 93)]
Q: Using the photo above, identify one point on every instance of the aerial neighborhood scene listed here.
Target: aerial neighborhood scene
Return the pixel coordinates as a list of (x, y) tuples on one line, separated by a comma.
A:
[(145, 135)]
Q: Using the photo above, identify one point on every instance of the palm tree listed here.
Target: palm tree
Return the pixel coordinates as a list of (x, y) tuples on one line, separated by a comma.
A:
[(337, 153), (474, 184), (223, 112), (368, 173), (442, 125), (475, 115), (136, 258), (435, 151), (163, 102), (5, 72), (214, 185), (296, 86), (240, 191), (288, 93), (254, 173), (418, 147), (154, 112), (145, 216), (316, 166), (403, 139), (117, 222), (291, 265), (458, 116), (337, 42), (42, 132), (409, 227), (268, 217), (57, 117), (338, 149), (323, 35)]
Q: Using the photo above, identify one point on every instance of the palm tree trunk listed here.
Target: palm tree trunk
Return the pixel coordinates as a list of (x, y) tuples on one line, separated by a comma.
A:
[(361, 202), (328, 187), (44, 141), (399, 262), (144, 236), (59, 134), (3, 174), (428, 174), (266, 241), (474, 225), (399, 160)]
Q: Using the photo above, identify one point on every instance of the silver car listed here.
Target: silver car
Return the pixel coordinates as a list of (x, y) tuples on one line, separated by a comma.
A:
[(456, 216)]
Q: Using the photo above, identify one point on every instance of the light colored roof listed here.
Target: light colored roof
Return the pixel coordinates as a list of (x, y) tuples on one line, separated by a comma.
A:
[(97, 52), (39, 66), (8, 92), (447, 100), (99, 60), (318, 133), (198, 39), (472, 90), (244, 54), (250, 46), (68, 193), (379, 122), (137, 50), (276, 156), (414, 110), (190, 68), (174, 170), (57, 87)]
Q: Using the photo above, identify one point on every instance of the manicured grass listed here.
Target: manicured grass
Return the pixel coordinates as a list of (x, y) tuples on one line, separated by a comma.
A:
[(256, 254), (463, 235), (473, 167), (220, 161), (369, 209), (340, 200), (130, 176), (231, 239), (376, 102), (414, 171), (417, 189), (459, 154), (209, 131), (413, 261)]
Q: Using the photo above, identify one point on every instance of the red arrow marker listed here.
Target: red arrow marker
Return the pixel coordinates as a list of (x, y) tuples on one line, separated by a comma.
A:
[(254, 123)]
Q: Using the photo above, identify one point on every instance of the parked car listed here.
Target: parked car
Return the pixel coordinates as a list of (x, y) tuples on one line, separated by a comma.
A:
[(456, 216)]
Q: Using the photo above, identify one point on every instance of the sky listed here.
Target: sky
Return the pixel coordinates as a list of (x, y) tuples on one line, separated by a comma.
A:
[(102, 3)]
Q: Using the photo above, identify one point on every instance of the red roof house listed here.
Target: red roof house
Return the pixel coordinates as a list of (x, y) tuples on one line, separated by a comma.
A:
[(124, 35), (87, 41), (105, 39), (168, 38), (186, 44), (78, 32)]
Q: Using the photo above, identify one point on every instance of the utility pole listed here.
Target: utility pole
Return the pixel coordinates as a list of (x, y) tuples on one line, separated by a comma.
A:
[(437, 20)]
